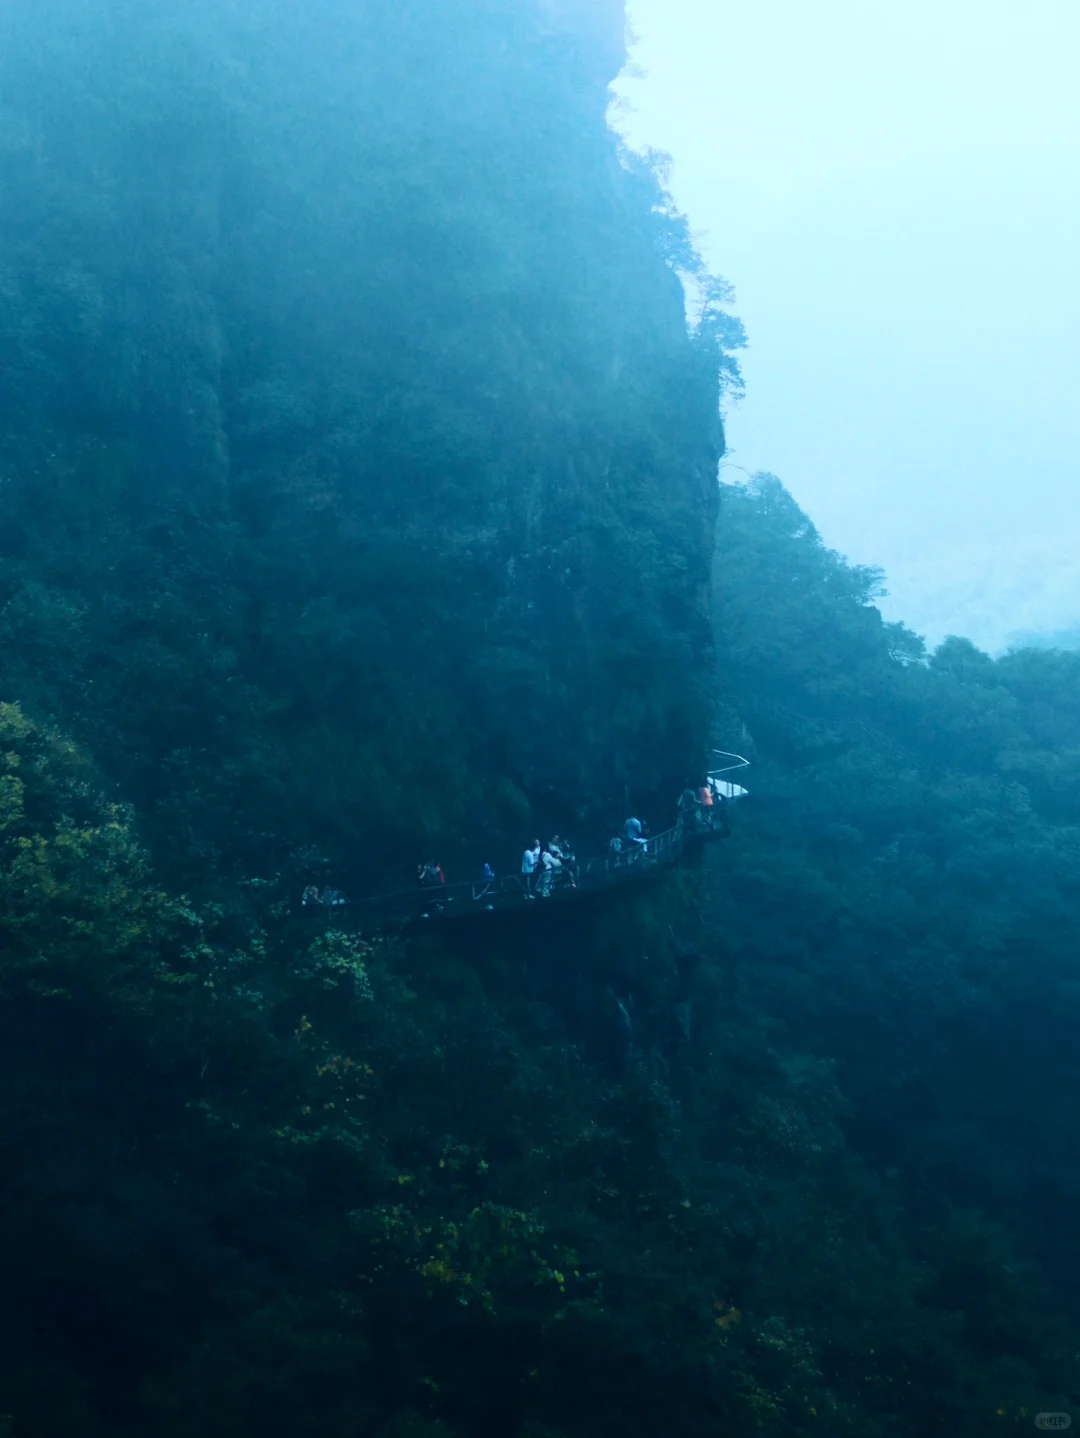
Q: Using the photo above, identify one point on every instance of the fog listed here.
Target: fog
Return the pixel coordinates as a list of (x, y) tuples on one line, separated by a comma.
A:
[(893, 194)]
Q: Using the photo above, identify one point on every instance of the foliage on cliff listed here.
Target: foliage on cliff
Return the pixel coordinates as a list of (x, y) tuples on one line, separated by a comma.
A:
[(903, 898), (270, 1178), (780, 1166)]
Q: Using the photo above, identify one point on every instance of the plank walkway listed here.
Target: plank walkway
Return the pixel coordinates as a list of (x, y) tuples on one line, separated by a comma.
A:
[(633, 864)]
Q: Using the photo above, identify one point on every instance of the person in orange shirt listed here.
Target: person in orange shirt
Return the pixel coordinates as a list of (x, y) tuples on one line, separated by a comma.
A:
[(706, 797)]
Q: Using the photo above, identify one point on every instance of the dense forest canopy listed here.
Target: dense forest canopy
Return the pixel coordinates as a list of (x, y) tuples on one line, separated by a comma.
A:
[(358, 497)]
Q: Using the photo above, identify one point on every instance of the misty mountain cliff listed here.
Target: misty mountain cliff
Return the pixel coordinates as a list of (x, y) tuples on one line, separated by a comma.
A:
[(358, 464), (358, 493)]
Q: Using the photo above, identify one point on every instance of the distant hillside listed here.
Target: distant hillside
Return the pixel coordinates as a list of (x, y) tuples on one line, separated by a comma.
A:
[(989, 592), (1046, 639)]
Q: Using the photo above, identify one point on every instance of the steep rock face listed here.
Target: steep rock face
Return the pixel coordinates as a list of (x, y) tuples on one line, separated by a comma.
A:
[(359, 468)]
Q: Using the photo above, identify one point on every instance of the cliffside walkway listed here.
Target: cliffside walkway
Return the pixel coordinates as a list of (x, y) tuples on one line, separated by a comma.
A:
[(632, 864)]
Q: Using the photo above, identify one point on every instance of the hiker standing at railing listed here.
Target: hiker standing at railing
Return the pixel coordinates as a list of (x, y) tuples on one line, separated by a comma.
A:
[(633, 831), (433, 886), (707, 810), (689, 807), (529, 861), (563, 852), (552, 867), (487, 878), (330, 899)]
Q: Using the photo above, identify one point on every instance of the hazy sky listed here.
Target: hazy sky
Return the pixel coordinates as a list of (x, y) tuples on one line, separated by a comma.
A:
[(893, 191)]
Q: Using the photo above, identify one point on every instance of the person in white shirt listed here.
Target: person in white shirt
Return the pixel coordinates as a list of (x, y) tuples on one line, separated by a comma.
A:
[(565, 855), (529, 861), (552, 866)]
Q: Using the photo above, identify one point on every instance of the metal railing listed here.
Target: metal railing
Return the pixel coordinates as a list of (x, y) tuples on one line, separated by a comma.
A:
[(626, 861), (727, 788), (662, 848)]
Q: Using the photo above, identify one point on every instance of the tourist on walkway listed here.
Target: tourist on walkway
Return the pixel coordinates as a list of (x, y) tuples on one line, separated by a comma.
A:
[(329, 898), (692, 810), (529, 860), (552, 866), (433, 880), (707, 811), (633, 831), (563, 852), (487, 878)]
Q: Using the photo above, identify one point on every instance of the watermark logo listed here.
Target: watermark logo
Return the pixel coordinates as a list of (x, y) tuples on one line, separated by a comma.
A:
[(1053, 1422)]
